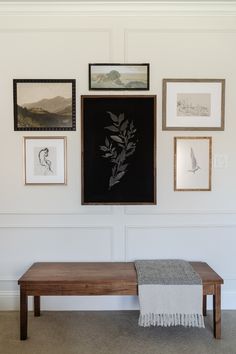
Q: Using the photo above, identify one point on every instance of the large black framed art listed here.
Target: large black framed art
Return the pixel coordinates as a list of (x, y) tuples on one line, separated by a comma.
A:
[(118, 149)]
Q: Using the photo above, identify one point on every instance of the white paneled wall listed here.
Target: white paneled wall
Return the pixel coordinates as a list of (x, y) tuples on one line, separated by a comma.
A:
[(48, 223)]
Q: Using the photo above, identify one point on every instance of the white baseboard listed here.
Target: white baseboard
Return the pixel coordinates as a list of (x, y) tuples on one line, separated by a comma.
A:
[(10, 300)]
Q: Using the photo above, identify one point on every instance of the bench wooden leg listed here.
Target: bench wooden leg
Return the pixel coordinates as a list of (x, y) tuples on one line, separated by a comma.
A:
[(23, 314), (36, 306), (217, 311), (204, 305)]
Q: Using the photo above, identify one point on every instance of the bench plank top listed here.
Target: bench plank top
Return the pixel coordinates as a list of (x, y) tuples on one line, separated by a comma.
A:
[(99, 272)]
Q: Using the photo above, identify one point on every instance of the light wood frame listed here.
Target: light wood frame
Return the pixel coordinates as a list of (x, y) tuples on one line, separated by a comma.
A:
[(193, 174), (44, 174)]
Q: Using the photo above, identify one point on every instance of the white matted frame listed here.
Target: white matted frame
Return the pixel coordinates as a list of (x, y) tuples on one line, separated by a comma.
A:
[(45, 160), (192, 163), (193, 104)]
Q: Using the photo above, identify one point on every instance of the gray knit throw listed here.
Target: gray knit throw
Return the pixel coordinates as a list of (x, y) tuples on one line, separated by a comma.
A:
[(166, 271), (170, 293)]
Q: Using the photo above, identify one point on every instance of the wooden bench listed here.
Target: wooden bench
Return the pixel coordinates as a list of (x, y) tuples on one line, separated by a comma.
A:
[(105, 278)]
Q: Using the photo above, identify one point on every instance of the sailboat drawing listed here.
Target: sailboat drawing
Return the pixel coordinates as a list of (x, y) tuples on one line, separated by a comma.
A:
[(195, 166)]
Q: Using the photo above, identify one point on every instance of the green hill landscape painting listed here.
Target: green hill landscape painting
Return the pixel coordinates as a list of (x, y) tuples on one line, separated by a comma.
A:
[(119, 76), (44, 104)]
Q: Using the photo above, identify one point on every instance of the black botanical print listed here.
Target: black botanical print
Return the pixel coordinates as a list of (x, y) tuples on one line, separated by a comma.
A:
[(118, 146)]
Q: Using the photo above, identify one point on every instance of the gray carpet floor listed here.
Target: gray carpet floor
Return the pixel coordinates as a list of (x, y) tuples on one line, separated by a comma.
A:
[(111, 332)]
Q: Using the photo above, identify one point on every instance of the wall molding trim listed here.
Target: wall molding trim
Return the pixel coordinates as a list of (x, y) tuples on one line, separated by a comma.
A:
[(129, 210), (153, 211), (179, 226), (150, 225), (128, 218), (118, 8)]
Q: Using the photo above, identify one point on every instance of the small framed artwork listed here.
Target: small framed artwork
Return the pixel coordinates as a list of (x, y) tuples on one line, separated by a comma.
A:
[(118, 149), (192, 163), (45, 160), (119, 77), (193, 104), (44, 105)]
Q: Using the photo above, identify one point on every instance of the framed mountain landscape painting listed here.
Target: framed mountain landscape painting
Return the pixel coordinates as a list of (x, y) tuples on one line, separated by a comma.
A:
[(44, 104), (118, 149)]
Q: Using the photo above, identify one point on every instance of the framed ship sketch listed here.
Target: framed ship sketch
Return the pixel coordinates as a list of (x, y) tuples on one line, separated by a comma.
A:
[(118, 149), (192, 163), (193, 104)]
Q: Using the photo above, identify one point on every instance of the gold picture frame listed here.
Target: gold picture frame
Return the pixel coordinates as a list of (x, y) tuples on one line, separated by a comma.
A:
[(45, 160), (192, 163)]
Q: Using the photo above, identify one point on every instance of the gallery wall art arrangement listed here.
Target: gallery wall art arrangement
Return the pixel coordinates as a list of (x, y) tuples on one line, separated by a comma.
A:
[(118, 132)]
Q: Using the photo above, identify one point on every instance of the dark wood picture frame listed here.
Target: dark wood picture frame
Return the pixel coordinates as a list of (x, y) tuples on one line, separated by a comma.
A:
[(44, 108), (118, 149), (112, 80), (204, 100)]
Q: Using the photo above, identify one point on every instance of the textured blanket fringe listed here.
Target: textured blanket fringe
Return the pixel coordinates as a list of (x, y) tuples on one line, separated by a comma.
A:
[(167, 320)]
